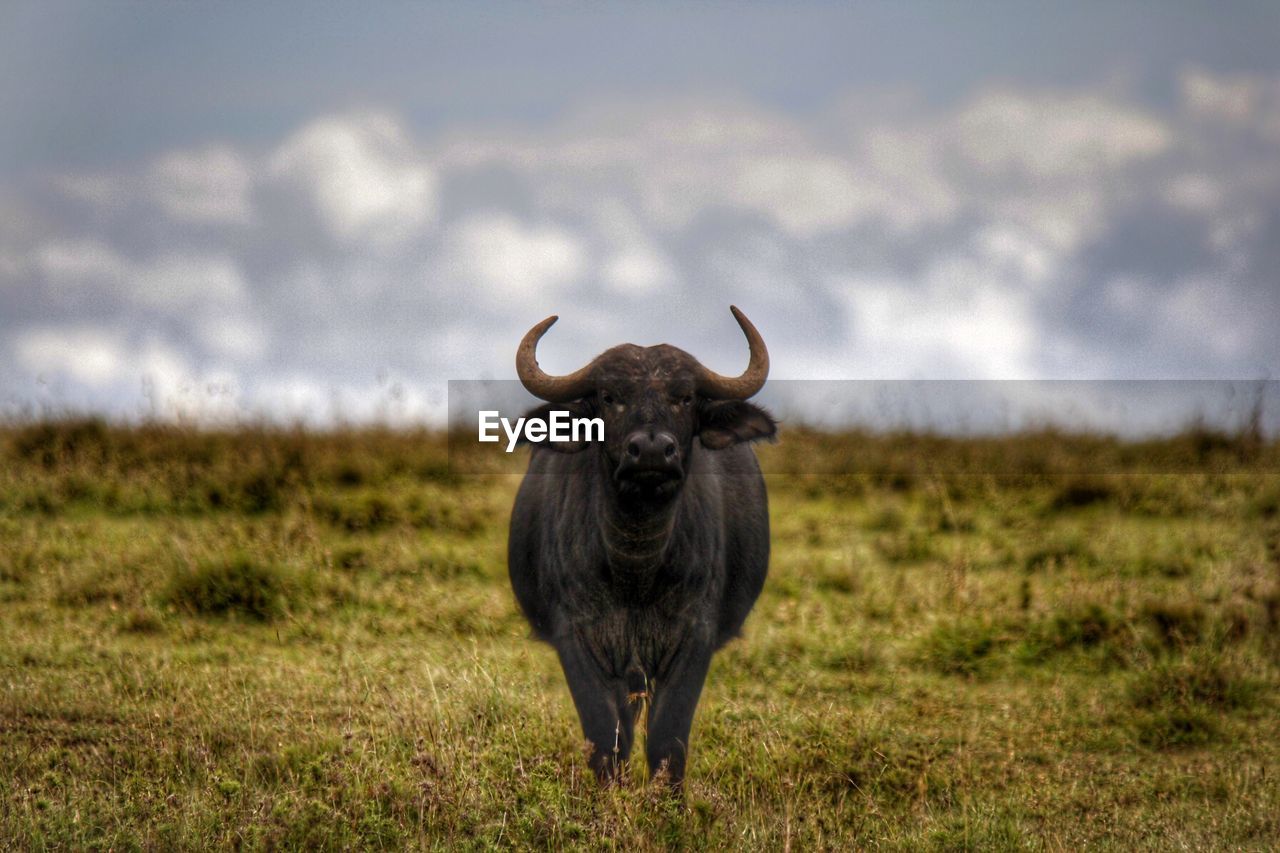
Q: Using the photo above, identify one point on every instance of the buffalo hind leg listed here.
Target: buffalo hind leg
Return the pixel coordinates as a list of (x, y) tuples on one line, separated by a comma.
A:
[(671, 714), (607, 717)]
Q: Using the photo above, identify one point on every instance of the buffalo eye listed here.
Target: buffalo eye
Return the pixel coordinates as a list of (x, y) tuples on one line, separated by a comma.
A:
[(686, 400), (606, 398)]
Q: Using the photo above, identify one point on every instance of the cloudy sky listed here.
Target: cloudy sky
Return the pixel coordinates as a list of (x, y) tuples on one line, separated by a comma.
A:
[(319, 210)]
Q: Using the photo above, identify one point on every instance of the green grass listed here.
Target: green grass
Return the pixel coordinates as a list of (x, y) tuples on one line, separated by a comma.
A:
[(279, 639)]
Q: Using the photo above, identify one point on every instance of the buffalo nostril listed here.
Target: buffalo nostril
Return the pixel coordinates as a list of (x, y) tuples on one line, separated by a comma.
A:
[(670, 450), (633, 449)]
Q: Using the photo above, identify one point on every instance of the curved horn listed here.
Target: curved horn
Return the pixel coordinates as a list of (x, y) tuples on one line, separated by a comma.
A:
[(553, 389), (712, 384)]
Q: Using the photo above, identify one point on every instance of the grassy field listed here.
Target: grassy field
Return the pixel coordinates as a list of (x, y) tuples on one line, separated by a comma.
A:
[(277, 639)]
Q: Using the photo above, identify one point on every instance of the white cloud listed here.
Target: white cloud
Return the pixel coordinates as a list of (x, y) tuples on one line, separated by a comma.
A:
[(638, 270), (682, 159), (1231, 98), (1213, 314), (500, 259), (210, 184), (105, 191), (633, 263), (959, 322), (176, 281), (365, 178), (77, 261), (13, 263), (1195, 192), (1210, 314), (906, 169), (311, 399), (104, 360), (90, 355), (1241, 100), (1056, 136), (162, 367), (1009, 249), (172, 282), (1061, 220), (237, 337), (806, 196), (912, 239), (100, 357), (907, 163)]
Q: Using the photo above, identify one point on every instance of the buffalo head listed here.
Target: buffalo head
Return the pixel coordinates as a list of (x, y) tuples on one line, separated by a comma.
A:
[(655, 402)]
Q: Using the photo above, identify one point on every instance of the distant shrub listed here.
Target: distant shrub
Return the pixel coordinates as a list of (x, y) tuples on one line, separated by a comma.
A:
[(852, 656), (349, 474), (437, 471), (1266, 503), (1179, 702), (1175, 726), (139, 620), (261, 491), (52, 443), (94, 587), (42, 499), (949, 521), (351, 558), (1070, 550), (912, 546), (1178, 624), (890, 769), (840, 578), (451, 566), (1078, 627), (1082, 492), (888, 519), (1206, 443), (1165, 495), (434, 514), (1084, 626), (15, 567), (359, 514), (961, 647), (239, 586), (1155, 564)]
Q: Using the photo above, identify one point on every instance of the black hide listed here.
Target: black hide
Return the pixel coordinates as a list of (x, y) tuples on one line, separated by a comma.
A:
[(637, 578)]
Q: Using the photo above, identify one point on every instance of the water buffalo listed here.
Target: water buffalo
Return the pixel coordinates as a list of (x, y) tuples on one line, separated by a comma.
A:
[(638, 557)]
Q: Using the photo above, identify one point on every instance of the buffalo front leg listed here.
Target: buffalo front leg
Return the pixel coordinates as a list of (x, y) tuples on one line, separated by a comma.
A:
[(606, 716), (675, 698)]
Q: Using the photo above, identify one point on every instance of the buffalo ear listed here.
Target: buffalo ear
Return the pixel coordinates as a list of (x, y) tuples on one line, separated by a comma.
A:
[(576, 409), (733, 422)]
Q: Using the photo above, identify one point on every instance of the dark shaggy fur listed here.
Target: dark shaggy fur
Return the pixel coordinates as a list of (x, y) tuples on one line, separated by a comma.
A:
[(638, 558)]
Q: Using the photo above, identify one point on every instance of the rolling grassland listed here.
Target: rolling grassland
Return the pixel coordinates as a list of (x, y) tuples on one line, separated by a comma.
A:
[(280, 639)]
